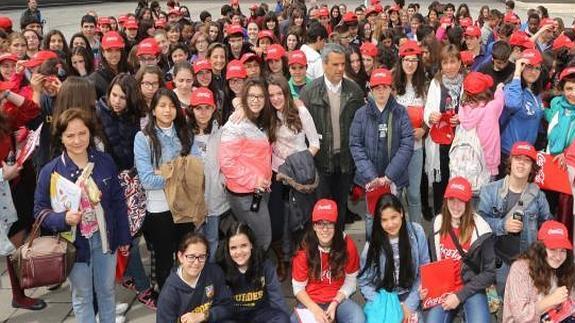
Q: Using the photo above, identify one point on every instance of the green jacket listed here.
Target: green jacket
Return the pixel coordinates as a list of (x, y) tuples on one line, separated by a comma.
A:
[(315, 98)]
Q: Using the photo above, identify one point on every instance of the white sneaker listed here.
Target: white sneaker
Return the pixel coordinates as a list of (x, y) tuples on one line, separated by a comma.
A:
[(121, 308), (120, 319)]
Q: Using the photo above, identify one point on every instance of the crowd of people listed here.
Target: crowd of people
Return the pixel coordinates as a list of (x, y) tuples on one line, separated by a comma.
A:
[(222, 141)]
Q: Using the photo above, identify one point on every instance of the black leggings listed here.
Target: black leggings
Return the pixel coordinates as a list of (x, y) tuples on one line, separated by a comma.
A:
[(164, 236), (439, 187)]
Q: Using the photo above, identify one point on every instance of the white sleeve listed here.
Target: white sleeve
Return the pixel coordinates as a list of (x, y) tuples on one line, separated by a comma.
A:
[(308, 127), (349, 284), (433, 100)]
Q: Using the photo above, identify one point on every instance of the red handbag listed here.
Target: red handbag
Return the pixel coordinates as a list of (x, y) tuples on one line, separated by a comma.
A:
[(43, 261)]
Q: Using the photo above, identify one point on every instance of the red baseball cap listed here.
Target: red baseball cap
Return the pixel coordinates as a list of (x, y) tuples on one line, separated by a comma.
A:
[(112, 39), (409, 47), (131, 24), (122, 19), (40, 58), (236, 70), (6, 23), (473, 31), (395, 7), (175, 11), (511, 18), (250, 56), (104, 21), (380, 76), (148, 46), (325, 210), (202, 96), (297, 57), (545, 22), (275, 51), (266, 33), (442, 131), (349, 18), (234, 30), (369, 49), (323, 12), (459, 188), (374, 2), (563, 41), (566, 72), (370, 10), (160, 23), (533, 56), (201, 65), (554, 235), (477, 82), (233, 2), (8, 57), (466, 57), (523, 148), (521, 39), (465, 22)]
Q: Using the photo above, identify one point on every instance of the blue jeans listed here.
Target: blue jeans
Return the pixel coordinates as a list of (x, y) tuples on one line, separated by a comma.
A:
[(347, 312), (211, 230), (475, 308), (135, 268), (415, 171), (98, 275), (501, 278)]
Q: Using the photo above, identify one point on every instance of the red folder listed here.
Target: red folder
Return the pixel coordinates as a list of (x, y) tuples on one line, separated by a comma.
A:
[(415, 114), (374, 195), (439, 279), (550, 176)]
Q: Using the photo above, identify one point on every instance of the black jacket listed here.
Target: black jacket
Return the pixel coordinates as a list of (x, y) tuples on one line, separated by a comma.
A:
[(316, 100), (101, 78)]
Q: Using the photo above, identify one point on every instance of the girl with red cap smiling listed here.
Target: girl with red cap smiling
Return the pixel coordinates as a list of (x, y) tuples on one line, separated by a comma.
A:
[(542, 278), (113, 61), (324, 270), (462, 235)]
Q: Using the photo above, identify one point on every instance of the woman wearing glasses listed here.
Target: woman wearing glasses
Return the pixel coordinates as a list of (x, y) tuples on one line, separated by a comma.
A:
[(245, 160), (195, 291), (324, 270)]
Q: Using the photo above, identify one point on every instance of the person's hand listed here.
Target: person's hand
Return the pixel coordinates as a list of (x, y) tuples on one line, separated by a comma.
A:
[(73, 217), (20, 66), (330, 312), (418, 133), (262, 183), (423, 292), (520, 66), (124, 250), (450, 302), (53, 85), (37, 82), (193, 317), (454, 120), (559, 295), (259, 51), (371, 185), (237, 116), (513, 226), (320, 316), (298, 103), (434, 117), (560, 159), (9, 172), (406, 313)]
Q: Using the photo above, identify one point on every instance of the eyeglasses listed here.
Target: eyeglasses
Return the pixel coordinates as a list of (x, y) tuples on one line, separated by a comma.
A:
[(324, 225), (411, 60), (253, 97), (192, 258), (533, 68), (150, 84)]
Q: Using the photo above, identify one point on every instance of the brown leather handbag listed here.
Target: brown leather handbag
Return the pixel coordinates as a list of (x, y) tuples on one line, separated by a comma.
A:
[(43, 261)]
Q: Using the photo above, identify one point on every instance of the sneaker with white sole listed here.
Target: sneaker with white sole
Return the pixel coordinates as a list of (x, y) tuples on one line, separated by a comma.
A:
[(121, 308)]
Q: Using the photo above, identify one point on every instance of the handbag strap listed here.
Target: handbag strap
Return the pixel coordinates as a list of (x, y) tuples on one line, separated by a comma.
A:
[(36, 227), (463, 254)]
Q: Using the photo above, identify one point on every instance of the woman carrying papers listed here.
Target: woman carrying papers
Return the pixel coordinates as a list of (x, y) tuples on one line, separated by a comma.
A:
[(100, 222)]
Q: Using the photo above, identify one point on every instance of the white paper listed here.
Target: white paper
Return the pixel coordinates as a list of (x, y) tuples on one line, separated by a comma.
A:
[(64, 196)]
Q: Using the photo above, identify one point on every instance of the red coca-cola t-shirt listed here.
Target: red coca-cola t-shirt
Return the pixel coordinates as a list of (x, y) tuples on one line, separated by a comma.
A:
[(448, 250), (324, 290)]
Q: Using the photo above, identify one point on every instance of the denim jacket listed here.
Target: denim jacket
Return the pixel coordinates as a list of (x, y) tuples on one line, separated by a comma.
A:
[(493, 202), (105, 175), (420, 256)]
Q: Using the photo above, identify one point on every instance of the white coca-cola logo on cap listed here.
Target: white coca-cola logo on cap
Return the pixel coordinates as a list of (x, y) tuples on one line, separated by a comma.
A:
[(380, 74), (524, 147), (458, 187), (556, 232), (203, 95), (324, 207)]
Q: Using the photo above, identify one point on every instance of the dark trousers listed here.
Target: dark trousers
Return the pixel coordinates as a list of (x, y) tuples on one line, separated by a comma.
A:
[(162, 233), (439, 187), (336, 186), (263, 315)]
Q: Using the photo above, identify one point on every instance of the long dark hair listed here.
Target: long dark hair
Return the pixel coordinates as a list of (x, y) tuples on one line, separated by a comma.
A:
[(417, 80), (541, 273), (254, 272), (134, 101), (379, 244), (88, 61), (337, 254), (266, 117), (290, 111), (361, 77), (182, 130)]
